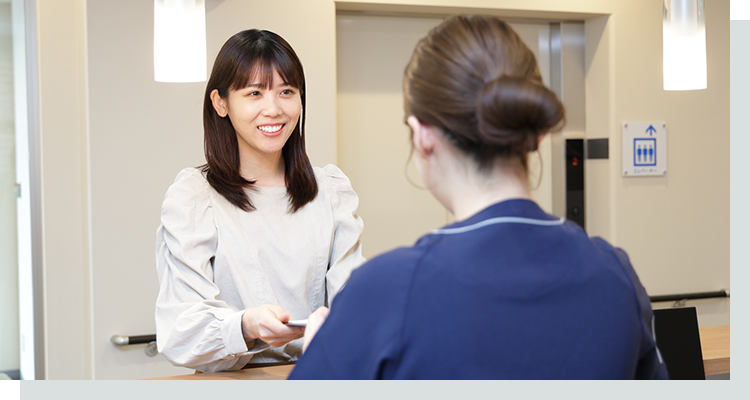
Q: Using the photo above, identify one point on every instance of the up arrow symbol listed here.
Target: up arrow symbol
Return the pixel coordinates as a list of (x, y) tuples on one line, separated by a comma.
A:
[(651, 130)]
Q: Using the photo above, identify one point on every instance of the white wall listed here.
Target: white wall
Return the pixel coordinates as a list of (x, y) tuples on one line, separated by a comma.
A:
[(373, 141), (64, 181), (112, 141)]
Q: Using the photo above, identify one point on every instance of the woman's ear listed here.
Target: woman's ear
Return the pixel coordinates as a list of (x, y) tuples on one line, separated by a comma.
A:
[(422, 136), (540, 137), (220, 105)]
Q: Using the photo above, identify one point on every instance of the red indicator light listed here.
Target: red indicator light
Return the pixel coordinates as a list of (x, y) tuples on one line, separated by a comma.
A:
[(575, 161)]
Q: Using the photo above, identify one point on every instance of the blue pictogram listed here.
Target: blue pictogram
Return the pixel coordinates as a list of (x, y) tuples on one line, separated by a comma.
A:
[(651, 130), (644, 152)]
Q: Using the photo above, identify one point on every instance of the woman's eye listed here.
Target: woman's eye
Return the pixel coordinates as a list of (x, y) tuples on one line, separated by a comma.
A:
[(287, 92), (254, 93)]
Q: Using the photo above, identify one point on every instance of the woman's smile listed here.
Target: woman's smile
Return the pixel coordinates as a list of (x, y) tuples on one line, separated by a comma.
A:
[(271, 129)]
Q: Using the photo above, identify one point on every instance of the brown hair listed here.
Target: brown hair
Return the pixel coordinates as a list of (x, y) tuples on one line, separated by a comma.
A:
[(254, 55), (474, 79)]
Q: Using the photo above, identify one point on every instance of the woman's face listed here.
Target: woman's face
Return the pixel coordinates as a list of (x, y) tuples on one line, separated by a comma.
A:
[(263, 118)]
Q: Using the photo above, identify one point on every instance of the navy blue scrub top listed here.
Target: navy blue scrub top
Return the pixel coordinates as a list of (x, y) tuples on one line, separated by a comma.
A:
[(510, 293)]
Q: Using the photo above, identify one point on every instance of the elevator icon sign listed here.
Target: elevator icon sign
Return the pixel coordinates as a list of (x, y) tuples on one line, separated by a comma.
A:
[(644, 149), (644, 152)]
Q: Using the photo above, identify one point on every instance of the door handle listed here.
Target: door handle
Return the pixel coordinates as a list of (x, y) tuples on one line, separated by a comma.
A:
[(149, 340)]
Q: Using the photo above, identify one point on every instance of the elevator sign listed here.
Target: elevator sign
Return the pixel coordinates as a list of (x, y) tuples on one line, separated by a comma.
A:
[(644, 148)]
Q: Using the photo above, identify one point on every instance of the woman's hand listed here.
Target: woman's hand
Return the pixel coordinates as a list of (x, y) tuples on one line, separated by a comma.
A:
[(314, 322), (267, 323)]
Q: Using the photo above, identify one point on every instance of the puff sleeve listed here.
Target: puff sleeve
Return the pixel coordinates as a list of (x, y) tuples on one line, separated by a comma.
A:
[(194, 327), (346, 249)]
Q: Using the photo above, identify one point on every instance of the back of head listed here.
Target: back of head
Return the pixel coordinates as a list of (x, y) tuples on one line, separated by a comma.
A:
[(474, 79)]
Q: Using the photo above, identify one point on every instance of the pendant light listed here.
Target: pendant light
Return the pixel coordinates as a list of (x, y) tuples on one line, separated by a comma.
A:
[(179, 40), (684, 29)]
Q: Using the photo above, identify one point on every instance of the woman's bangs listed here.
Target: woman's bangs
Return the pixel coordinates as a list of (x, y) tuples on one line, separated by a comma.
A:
[(261, 72), (253, 72), (289, 71)]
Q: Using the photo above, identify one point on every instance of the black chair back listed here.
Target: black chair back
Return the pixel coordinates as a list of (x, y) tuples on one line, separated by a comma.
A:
[(679, 342)]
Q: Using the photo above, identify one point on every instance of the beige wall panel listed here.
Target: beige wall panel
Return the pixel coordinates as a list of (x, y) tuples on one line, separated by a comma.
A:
[(374, 143), (141, 133), (675, 228), (62, 111)]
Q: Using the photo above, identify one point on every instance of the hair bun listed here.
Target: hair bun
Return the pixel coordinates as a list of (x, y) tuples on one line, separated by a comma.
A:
[(514, 111)]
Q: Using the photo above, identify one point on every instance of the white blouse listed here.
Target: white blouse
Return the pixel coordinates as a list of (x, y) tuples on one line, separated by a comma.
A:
[(215, 260)]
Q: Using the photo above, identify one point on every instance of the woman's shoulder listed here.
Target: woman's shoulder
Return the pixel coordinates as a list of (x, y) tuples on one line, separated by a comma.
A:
[(332, 181), (187, 210), (190, 176), (385, 275), (392, 268), (605, 247), (330, 174), (190, 184), (619, 265)]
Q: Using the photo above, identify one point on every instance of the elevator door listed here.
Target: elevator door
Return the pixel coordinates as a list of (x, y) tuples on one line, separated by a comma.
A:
[(373, 141)]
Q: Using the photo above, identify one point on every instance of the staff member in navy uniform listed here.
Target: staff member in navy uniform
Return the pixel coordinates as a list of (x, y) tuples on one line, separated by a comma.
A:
[(508, 291)]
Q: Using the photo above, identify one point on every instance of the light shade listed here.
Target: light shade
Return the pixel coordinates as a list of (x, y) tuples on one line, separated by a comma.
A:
[(684, 45), (179, 40)]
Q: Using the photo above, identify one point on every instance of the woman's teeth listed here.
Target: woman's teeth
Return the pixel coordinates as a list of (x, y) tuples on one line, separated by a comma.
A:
[(270, 128)]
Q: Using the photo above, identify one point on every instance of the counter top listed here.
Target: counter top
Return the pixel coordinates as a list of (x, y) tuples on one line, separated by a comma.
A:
[(714, 345), (715, 348)]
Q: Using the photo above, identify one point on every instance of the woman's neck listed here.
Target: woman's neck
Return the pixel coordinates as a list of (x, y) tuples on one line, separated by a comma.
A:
[(466, 191), (267, 170)]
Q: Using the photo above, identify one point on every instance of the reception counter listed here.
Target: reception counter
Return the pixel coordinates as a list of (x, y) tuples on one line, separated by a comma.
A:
[(273, 373), (714, 345), (715, 349)]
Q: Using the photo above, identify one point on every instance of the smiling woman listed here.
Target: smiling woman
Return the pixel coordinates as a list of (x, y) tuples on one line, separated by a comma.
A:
[(244, 93), (256, 237), (263, 118)]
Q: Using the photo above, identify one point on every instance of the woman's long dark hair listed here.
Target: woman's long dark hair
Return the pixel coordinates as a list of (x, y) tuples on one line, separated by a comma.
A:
[(254, 55)]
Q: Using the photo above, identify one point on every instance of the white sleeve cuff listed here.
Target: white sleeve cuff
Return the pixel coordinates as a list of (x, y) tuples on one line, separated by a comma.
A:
[(258, 346), (231, 331)]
